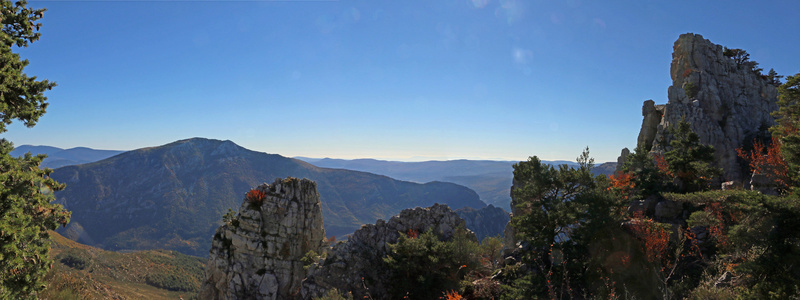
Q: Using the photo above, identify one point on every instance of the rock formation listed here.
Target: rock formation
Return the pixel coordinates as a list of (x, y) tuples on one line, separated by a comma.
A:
[(257, 254), (509, 233), (727, 102), (485, 222), (354, 266)]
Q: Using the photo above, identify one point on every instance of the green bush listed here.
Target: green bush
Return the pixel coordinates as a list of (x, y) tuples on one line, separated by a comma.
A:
[(334, 294), (425, 266), (172, 281), (75, 258), (690, 89), (701, 218)]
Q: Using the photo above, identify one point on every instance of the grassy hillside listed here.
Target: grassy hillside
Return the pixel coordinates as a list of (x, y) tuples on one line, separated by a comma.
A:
[(85, 272)]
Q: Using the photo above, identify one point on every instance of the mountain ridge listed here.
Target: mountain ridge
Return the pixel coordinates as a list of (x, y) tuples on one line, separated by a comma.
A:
[(173, 196), (58, 157)]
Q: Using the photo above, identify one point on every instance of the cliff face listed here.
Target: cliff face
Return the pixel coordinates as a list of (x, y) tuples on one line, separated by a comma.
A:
[(256, 255), (485, 222), (726, 102)]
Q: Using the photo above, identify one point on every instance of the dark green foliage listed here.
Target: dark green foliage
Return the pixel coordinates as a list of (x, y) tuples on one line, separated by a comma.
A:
[(21, 97), (26, 215), (647, 179), (774, 273), (570, 221), (739, 56), (773, 78), (547, 197), (229, 216), (690, 89), (172, 282), (425, 266), (788, 127), (75, 259), (742, 59), (492, 249), (334, 294), (25, 209), (689, 161)]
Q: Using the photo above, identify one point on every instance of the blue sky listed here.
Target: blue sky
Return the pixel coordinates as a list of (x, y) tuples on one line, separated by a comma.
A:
[(404, 80)]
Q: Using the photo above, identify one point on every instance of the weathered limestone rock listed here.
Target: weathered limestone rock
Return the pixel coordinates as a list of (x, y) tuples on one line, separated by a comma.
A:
[(668, 210), (652, 115), (764, 185), (354, 266), (623, 157), (256, 255), (727, 103)]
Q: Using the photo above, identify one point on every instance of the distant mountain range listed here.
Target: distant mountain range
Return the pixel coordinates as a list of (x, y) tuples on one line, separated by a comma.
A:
[(57, 157), (174, 196), (490, 179)]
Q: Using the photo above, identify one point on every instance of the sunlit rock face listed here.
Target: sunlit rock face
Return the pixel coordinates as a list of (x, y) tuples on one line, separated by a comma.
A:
[(257, 254), (727, 103)]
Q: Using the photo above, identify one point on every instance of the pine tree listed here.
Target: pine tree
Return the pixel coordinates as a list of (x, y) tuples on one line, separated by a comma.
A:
[(689, 161), (26, 211), (788, 128)]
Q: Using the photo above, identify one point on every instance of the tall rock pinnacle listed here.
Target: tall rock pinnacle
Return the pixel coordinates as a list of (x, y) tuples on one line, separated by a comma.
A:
[(727, 102), (257, 254)]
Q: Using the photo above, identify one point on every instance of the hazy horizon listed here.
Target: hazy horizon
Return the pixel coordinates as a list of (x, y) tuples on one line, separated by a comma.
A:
[(479, 79)]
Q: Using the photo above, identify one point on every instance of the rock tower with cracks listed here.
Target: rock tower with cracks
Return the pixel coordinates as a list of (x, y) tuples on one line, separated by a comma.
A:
[(257, 254), (727, 102)]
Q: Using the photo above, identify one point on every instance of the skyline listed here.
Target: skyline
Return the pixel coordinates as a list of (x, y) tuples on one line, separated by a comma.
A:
[(478, 79)]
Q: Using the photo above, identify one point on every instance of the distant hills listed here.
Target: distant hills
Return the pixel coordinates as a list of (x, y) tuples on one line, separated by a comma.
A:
[(173, 196), (57, 157), (490, 179)]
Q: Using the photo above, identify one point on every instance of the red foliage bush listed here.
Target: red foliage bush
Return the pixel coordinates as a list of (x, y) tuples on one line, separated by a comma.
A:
[(256, 196), (767, 160)]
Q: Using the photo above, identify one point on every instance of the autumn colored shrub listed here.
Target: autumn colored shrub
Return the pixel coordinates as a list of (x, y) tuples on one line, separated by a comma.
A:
[(621, 183), (256, 197), (452, 295), (654, 238), (768, 160)]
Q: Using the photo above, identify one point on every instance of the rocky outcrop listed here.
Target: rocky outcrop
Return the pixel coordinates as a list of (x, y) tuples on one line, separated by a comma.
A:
[(510, 233), (623, 156), (726, 101), (257, 254), (651, 115), (485, 222), (355, 265)]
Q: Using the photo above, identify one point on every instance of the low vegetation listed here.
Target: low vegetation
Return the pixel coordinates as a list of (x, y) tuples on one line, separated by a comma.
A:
[(83, 272)]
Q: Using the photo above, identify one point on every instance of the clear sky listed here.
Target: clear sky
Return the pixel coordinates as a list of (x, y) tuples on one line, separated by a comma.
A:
[(397, 80)]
